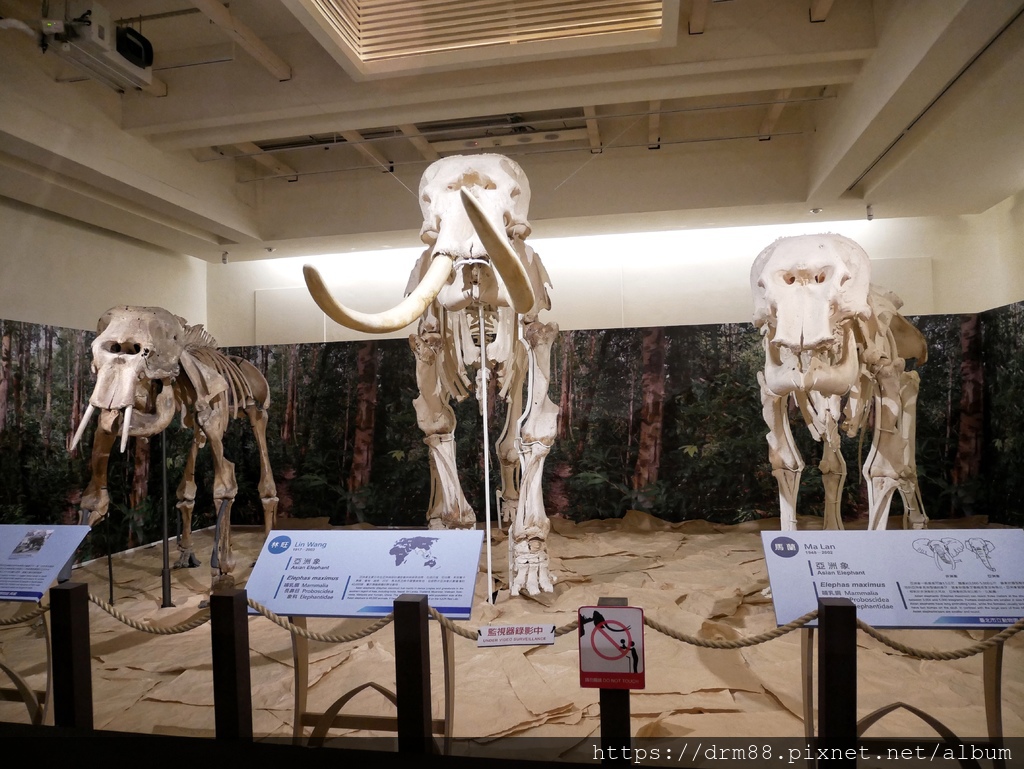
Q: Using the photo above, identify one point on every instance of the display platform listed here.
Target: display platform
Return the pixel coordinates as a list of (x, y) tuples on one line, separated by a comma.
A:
[(696, 578)]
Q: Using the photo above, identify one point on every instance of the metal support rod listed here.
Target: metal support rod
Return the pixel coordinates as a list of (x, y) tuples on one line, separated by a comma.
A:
[(615, 728), (232, 689), (165, 574), (72, 667), (412, 675), (837, 681), (487, 453)]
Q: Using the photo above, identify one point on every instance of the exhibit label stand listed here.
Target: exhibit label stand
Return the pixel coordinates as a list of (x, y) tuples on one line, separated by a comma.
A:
[(934, 579), (31, 558), (302, 574)]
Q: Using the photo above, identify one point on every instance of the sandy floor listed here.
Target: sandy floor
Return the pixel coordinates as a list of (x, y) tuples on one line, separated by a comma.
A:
[(696, 578)]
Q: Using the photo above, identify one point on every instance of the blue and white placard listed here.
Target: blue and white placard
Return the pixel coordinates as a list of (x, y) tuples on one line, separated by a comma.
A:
[(32, 556), (954, 578), (361, 573)]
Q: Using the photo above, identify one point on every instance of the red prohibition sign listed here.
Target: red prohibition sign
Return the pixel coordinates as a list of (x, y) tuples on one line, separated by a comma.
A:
[(611, 624)]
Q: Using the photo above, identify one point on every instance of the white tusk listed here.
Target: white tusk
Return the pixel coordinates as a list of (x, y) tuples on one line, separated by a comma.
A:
[(82, 425), (400, 316), (127, 426), (505, 260)]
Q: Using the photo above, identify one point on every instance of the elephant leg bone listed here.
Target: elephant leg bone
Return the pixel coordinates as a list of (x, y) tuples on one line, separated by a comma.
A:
[(225, 488), (436, 418), (914, 516), (95, 499), (506, 448), (787, 464), (832, 466), (267, 487), (186, 495), (885, 467), (538, 426)]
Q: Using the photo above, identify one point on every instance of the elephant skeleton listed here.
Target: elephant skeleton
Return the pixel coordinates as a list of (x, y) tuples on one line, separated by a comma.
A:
[(149, 366), (477, 291), (838, 346)]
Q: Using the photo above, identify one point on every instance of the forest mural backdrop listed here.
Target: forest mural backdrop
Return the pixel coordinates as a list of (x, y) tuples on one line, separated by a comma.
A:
[(665, 420)]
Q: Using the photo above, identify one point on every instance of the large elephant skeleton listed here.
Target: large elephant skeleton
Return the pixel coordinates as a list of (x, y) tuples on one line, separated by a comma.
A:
[(838, 346), (149, 366), (477, 291)]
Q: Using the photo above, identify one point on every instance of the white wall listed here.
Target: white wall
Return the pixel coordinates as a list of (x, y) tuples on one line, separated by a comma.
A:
[(55, 271), (58, 272)]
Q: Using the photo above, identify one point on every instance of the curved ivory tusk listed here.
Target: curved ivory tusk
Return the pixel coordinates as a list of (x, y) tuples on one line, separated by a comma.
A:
[(505, 260), (399, 316), (127, 426), (82, 425)]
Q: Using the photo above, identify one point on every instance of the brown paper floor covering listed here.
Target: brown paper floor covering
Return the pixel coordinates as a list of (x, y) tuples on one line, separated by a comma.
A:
[(697, 578)]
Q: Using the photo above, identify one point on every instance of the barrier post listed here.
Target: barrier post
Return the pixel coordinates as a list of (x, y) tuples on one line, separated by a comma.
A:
[(837, 681), (72, 667), (614, 703), (232, 688), (412, 674)]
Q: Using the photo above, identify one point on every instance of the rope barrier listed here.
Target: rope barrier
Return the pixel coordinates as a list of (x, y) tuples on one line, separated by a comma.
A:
[(299, 631), (39, 611), (203, 616), (199, 618), (957, 654)]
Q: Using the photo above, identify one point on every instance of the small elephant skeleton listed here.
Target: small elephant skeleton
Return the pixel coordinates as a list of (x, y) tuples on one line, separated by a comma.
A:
[(839, 346), (151, 365), (477, 291)]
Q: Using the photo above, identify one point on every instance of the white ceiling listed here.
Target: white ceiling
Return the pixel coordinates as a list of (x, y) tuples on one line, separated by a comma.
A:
[(269, 142)]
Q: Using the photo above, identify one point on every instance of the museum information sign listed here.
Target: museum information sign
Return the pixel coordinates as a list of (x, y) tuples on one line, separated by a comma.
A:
[(361, 573), (611, 647), (957, 578), (32, 556)]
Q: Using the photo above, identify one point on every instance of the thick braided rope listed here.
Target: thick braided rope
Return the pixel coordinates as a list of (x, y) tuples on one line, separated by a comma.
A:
[(324, 638), (741, 643), (199, 618), (956, 654), (39, 611)]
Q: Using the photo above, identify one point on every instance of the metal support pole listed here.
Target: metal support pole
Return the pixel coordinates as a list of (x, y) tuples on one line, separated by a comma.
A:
[(615, 729), (412, 675), (165, 574), (837, 681), (72, 667), (232, 689)]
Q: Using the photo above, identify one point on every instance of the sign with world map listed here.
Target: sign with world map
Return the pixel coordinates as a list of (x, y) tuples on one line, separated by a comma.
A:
[(361, 573)]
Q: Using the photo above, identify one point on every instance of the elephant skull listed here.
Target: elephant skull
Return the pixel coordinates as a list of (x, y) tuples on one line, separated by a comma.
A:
[(806, 291), (474, 222), (135, 356)]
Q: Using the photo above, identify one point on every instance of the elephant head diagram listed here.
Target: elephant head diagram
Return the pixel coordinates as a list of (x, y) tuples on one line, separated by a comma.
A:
[(945, 551)]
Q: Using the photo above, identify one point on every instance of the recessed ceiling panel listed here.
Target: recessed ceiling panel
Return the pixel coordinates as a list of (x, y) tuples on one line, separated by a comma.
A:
[(374, 38)]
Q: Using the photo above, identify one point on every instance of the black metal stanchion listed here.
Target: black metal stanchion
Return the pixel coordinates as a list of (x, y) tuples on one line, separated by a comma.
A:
[(412, 675), (232, 689), (165, 574), (72, 670), (837, 682), (615, 728)]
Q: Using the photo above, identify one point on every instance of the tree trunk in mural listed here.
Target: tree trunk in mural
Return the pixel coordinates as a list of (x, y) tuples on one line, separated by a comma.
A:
[(48, 334), (18, 382), (652, 409), (366, 410), (5, 374), (140, 489), (291, 395), (967, 465)]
